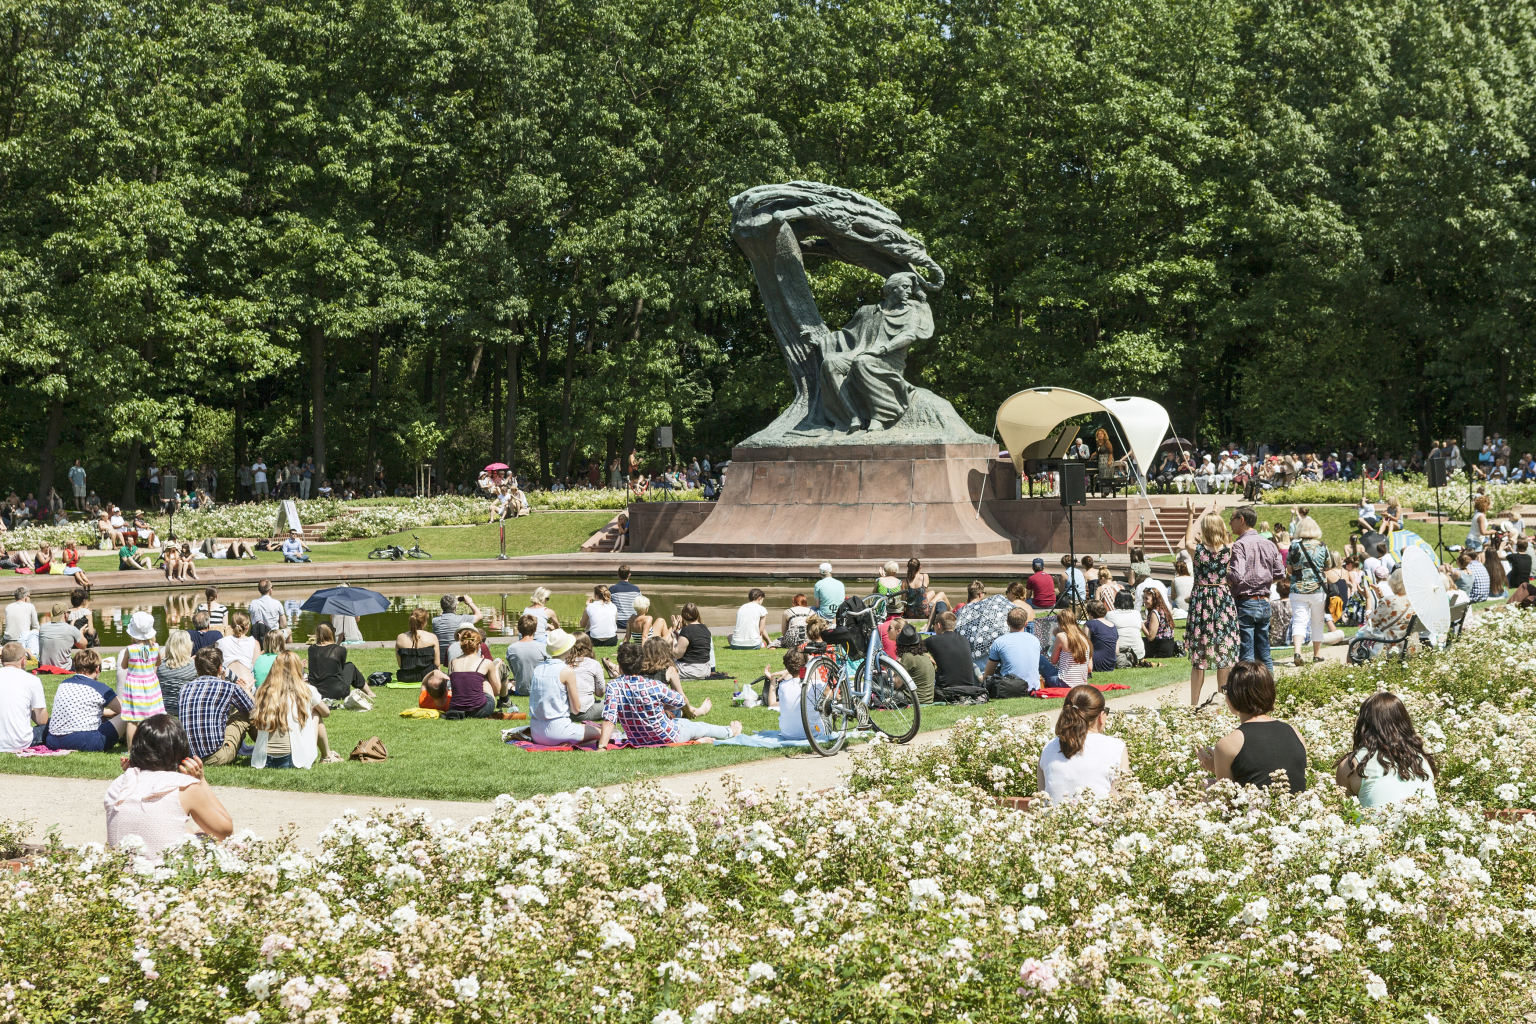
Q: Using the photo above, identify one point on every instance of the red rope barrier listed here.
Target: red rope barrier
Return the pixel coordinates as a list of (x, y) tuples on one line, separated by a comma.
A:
[(1128, 539)]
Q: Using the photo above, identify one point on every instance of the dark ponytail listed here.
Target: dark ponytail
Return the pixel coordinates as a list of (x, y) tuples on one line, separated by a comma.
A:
[(1083, 705)]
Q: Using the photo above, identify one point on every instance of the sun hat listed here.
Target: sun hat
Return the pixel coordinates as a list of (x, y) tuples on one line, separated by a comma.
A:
[(142, 626), (907, 637), (557, 642), (826, 568)]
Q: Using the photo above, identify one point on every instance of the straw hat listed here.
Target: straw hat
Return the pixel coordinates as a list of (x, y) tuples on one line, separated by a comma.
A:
[(142, 626), (557, 642)]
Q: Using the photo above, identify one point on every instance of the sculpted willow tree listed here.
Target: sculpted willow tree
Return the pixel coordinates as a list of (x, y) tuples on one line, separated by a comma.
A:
[(849, 383)]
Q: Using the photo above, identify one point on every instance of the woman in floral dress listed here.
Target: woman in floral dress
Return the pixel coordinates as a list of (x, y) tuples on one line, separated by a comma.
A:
[(1210, 631)]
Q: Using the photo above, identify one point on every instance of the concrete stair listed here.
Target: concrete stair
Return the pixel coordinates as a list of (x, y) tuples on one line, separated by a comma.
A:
[(1163, 534)]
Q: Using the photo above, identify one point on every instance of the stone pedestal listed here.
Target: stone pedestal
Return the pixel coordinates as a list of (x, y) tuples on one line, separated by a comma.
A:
[(869, 501)]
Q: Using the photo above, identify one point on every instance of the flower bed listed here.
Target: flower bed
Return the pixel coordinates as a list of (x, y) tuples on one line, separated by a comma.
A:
[(834, 906), (1412, 492), (606, 498)]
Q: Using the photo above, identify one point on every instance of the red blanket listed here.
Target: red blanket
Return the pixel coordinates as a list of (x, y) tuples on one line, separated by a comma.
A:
[(534, 748), (1057, 692), (56, 670)]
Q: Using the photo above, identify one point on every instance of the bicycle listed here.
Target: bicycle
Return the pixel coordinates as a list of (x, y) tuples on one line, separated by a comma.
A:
[(395, 552), (872, 691)]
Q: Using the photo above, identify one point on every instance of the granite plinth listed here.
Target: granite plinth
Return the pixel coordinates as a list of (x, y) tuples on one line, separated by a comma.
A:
[(857, 501)]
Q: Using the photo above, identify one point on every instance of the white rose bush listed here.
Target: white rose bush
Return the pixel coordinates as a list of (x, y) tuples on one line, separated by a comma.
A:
[(907, 896)]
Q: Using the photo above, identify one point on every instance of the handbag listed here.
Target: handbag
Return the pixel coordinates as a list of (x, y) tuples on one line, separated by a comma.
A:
[(370, 749), (357, 701)]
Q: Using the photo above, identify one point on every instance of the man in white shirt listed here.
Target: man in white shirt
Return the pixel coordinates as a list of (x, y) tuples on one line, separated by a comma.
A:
[(259, 478), (751, 633), (23, 711), (267, 610), (21, 617)]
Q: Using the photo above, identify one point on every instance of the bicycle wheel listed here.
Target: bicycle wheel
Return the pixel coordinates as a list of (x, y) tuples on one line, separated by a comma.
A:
[(379, 553), (417, 553), (893, 706), (825, 707)]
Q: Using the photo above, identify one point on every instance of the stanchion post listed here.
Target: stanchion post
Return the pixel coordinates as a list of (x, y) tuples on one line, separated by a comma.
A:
[(503, 556)]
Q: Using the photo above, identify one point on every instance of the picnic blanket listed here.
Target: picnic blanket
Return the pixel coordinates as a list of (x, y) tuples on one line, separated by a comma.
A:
[(1057, 692), (41, 752), (534, 748), (766, 738)]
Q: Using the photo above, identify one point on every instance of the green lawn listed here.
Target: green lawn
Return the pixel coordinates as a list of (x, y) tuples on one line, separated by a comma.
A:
[(466, 760)]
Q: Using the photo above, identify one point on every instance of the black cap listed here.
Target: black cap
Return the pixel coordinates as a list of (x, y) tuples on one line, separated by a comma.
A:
[(907, 637)]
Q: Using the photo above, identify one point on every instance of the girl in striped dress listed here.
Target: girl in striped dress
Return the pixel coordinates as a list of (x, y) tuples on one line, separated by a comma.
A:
[(1072, 651), (138, 679)]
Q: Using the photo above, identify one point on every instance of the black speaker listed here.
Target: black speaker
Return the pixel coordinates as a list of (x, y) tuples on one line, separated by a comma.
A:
[(1074, 484), (167, 486), (1437, 472), (1473, 438)]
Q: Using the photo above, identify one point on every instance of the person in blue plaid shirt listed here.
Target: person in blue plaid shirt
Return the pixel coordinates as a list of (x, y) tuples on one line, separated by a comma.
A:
[(214, 711), (644, 707)]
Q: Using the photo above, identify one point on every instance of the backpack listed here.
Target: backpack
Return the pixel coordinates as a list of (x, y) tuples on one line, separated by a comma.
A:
[(852, 628), (1007, 687), (960, 695)]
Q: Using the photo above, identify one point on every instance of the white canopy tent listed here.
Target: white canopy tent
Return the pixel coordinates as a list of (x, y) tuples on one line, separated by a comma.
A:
[(1032, 415)]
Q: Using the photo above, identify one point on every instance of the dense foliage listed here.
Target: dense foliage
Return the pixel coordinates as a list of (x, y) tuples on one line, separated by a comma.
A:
[(406, 229)]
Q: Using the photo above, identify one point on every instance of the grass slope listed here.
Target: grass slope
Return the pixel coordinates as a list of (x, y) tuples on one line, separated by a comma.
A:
[(466, 760)]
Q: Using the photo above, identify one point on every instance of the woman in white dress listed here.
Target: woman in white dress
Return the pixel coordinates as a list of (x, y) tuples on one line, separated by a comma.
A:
[(289, 719), (1081, 756)]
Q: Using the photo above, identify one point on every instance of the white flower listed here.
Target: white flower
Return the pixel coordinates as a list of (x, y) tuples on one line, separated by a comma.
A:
[(924, 890), (614, 934), (467, 989), (761, 972), (788, 896), (704, 1013), (1256, 912), (1508, 792), (260, 984), (403, 917), (667, 1017), (140, 1005), (1430, 1018), (1374, 986)]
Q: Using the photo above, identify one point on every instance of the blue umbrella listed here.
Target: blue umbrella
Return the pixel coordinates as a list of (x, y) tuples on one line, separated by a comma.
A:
[(346, 601)]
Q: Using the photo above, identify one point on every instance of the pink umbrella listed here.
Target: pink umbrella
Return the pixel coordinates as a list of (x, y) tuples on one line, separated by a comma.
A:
[(497, 467)]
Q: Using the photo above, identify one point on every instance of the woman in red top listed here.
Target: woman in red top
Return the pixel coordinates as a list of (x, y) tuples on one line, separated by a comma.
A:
[(71, 558)]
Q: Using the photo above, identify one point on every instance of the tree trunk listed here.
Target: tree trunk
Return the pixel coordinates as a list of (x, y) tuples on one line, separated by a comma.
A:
[(631, 416), (317, 394), (50, 447), (131, 475), (509, 424), (565, 395), (542, 371), (442, 416), (496, 439), (373, 411), (241, 451)]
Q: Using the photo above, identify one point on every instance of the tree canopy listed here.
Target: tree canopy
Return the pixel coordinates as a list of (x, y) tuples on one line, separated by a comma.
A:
[(321, 227)]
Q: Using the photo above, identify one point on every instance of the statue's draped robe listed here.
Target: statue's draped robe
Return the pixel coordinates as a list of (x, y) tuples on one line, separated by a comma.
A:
[(862, 386)]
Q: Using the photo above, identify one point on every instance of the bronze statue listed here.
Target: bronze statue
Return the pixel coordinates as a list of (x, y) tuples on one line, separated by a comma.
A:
[(848, 383)]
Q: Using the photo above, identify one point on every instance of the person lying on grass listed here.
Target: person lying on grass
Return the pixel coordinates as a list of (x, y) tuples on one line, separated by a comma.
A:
[(643, 708)]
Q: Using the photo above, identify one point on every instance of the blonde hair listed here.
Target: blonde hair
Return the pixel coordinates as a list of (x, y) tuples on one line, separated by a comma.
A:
[(1213, 531), (284, 695), (240, 623), (891, 568), (542, 594), (178, 649), (642, 605), (1307, 529), (1072, 636), (1482, 503)]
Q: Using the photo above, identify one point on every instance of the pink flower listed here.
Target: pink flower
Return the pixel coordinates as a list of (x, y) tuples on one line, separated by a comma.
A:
[(274, 944), (1039, 975)]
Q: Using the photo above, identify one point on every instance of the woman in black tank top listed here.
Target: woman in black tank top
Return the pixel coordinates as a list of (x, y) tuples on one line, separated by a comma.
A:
[(1259, 745)]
